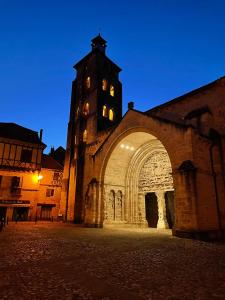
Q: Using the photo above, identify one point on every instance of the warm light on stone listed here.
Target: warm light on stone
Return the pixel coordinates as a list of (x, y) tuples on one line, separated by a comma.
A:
[(40, 177)]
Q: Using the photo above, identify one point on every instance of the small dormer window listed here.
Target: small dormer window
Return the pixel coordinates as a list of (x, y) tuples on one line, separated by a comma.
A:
[(85, 135), (111, 115), (112, 92), (86, 109), (88, 82), (104, 84), (104, 111)]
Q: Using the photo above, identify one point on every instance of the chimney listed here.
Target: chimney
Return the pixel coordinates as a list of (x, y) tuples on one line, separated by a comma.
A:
[(52, 150), (41, 133), (131, 105)]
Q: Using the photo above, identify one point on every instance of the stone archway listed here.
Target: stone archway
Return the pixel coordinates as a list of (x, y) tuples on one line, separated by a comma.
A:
[(138, 165)]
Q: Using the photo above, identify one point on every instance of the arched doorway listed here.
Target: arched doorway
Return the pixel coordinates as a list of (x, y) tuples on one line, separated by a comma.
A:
[(138, 183)]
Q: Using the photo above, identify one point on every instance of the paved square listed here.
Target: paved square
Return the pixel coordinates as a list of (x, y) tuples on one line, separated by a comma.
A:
[(62, 261)]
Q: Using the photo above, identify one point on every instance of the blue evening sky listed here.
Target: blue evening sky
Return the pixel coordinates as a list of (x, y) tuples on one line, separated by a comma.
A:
[(165, 48)]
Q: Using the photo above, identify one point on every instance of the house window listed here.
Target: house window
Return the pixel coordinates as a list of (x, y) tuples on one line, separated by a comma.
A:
[(112, 92), (86, 109), (15, 186), (111, 115), (104, 111), (26, 155), (104, 84), (15, 183), (88, 82), (85, 135), (56, 176), (49, 192)]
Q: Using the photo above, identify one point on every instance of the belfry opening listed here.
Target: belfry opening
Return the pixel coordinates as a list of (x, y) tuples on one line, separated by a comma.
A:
[(138, 183)]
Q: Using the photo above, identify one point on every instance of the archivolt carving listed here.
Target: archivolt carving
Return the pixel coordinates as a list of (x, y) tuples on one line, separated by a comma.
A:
[(155, 174)]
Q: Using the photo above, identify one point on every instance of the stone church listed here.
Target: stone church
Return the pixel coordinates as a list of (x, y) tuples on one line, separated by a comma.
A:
[(161, 168)]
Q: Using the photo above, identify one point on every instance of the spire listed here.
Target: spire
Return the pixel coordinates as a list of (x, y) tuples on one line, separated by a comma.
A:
[(98, 43)]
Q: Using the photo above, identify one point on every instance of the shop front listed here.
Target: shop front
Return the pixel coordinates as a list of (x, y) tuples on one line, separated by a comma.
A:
[(15, 210)]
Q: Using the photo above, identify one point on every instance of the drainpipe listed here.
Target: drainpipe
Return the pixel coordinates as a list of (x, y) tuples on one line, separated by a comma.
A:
[(67, 192), (222, 161), (215, 143)]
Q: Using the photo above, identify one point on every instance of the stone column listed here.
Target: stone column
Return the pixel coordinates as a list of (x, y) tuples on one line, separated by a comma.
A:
[(118, 206), (141, 210), (94, 205), (162, 221)]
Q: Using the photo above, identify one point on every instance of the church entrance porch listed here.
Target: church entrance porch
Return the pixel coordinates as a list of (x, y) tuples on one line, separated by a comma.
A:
[(138, 184)]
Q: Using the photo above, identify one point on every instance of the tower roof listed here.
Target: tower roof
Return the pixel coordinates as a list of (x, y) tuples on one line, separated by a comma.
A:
[(98, 40), (98, 47), (98, 43)]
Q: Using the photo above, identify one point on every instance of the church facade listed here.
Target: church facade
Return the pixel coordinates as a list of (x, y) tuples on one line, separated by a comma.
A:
[(162, 168)]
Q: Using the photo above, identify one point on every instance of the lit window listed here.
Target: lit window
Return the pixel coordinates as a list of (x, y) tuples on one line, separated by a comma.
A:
[(88, 82), (104, 111), (49, 192), (86, 109), (104, 84), (112, 90), (85, 135), (111, 115), (77, 112)]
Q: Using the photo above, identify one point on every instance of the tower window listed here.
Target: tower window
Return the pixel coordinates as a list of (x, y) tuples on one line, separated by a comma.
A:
[(112, 92), (104, 84), (111, 115), (88, 82), (85, 135), (77, 112), (86, 108), (104, 111)]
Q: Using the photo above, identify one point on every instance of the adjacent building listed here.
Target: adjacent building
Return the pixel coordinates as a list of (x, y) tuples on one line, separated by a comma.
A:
[(29, 180), (48, 205)]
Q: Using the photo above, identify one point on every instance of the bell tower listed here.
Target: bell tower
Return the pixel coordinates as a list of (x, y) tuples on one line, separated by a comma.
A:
[(96, 107), (96, 93)]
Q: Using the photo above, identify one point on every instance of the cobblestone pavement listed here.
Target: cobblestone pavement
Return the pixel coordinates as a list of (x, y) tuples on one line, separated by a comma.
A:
[(62, 261)]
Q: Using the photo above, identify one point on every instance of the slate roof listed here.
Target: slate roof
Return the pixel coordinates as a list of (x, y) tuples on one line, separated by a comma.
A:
[(17, 132), (96, 52), (49, 162), (189, 94)]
